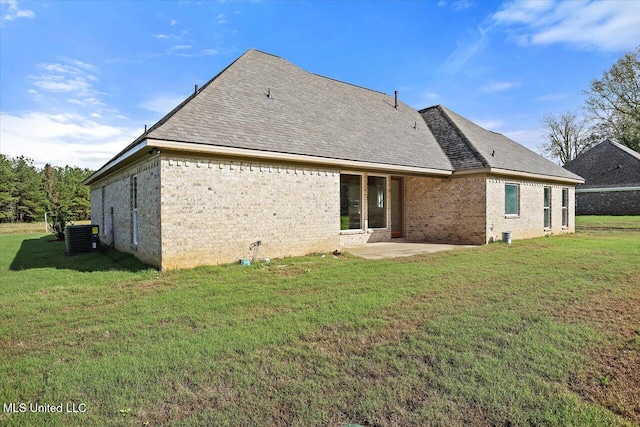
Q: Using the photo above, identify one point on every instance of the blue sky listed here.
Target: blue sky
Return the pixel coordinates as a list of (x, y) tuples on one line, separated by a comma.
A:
[(80, 79)]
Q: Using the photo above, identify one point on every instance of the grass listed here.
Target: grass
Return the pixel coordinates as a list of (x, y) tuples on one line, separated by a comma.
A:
[(542, 332), (27, 227), (585, 222)]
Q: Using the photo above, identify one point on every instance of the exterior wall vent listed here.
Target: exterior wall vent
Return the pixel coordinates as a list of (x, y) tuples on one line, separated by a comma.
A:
[(80, 239)]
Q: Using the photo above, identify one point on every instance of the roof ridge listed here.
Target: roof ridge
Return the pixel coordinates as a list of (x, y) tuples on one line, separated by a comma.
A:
[(624, 148), (445, 112), (179, 107)]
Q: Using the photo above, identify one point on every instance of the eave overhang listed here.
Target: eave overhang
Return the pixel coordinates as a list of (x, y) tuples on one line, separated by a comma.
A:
[(140, 149), (518, 174)]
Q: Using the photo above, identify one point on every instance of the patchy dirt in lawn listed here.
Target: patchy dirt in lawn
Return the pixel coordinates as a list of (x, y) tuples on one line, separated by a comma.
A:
[(613, 378)]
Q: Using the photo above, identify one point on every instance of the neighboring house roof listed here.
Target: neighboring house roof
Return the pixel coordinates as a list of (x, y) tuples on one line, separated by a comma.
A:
[(471, 147), (607, 164), (262, 106)]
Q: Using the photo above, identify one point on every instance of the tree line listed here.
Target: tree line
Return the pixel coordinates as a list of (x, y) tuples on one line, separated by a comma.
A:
[(611, 111), (27, 193)]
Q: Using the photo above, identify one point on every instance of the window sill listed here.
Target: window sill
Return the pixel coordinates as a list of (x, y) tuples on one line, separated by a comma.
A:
[(512, 216), (360, 231)]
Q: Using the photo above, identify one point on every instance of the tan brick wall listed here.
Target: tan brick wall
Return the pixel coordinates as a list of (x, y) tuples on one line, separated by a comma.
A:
[(445, 210), (118, 228), (530, 222), (213, 209)]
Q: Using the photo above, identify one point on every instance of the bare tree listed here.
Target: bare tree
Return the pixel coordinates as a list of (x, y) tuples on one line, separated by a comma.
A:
[(566, 136), (613, 101)]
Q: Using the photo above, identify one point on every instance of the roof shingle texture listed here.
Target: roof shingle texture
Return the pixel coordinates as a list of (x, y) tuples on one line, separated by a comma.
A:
[(607, 164), (306, 114), (470, 146)]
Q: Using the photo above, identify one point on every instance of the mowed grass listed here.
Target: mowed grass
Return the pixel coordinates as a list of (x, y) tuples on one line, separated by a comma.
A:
[(541, 332), (606, 221)]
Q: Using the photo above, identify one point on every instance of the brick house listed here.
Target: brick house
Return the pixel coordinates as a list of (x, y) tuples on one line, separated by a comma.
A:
[(612, 180), (267, 151)]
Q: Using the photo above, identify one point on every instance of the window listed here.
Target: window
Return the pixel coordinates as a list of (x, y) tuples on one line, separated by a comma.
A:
[(565, 207), (547, 207), (134, 209), (511, 199), (377, 201), (350, 202)]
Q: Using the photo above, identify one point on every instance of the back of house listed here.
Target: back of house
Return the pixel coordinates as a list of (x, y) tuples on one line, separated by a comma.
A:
[(268, 152)]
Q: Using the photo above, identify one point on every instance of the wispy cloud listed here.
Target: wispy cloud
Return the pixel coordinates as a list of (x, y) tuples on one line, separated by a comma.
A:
[(62, 139), (493, 87), (457, 5), (490, 124), (603, 25), (173, 22), (465, 51), (221, 19), (14, 12), (162, 103), (73, 78), (180, 47)]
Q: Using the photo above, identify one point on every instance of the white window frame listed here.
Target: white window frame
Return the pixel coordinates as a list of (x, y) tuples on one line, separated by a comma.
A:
[(362, 218), (134, 209), (517, 214), (386, 200), (547, 209), (565, 208)]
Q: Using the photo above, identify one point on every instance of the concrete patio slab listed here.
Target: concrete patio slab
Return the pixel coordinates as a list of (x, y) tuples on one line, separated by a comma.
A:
[(381, 250)]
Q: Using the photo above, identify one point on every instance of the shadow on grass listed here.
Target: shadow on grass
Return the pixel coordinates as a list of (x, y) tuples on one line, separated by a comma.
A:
[(47, 252)]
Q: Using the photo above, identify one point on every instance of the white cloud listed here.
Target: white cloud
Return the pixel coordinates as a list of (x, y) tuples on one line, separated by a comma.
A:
[(530, 138), (465, 51), (173, 22), (604, 25), (162, 104), (461, 5), (62, 139), (160, 36), (493, 87), (15, 12), (491, 124), (62, 78), (221, 19), (181, 47)]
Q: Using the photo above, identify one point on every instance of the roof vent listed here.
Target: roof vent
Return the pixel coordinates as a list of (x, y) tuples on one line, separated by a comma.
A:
[(493, 153), (196, 89), (145, 128), (269, 93), (395, 105)]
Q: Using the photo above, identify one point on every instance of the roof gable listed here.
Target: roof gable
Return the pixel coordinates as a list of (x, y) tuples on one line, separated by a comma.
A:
[(607, 164), (262, 102), (470, 146)]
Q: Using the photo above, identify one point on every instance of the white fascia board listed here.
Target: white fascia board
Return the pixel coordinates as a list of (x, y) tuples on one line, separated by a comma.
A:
[(518, 174), (130, 152), (606, 189), (269, 155)]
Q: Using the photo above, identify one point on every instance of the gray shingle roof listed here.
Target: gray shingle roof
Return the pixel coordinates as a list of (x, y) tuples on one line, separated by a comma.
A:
[(306, 114), (470, 146), (608, 164)]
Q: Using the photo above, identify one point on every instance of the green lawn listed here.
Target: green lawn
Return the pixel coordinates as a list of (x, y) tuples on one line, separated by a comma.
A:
[(541, 332), (602, 221)]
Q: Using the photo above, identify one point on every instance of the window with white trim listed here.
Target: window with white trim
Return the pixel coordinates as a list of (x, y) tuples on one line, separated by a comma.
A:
[(377, 201), (547, 207), (134, 209), (350, 202), (512, 199), (565, 207)]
